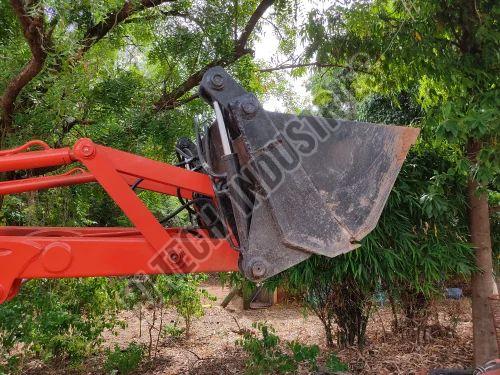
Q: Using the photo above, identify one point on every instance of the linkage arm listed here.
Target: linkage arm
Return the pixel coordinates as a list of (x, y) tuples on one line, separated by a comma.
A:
[(149, 248)]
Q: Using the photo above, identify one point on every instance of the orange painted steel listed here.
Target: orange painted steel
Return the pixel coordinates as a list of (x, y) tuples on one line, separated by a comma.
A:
[(46, 182), (66, 179), (156, 171), (146, 248), (35, 159), (25, 147)]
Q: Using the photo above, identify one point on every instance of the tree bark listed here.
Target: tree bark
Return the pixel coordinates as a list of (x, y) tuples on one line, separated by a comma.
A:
[(38, 41), (485, 345), (328, 335)]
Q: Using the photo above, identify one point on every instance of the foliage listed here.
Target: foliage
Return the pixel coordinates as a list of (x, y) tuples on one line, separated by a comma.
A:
[(108, 92), (333, 94), (184, 293), (60, 319), (443, 53), (173, 330), (267, 354), (124, 361), (399, 110), (334, 364), (159, 292), (107, 88)]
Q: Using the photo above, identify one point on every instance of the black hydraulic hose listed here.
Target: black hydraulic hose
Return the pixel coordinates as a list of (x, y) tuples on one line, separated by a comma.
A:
[(187, 159), (184, 206), (207, 164), (137, 183), (183, 202), (183, 154), (183, 162)]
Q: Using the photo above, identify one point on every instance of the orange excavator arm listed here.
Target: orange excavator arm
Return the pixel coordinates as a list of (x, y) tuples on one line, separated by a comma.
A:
[(147, 248)]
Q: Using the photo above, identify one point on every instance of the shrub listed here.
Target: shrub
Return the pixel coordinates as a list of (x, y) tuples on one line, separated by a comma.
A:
[(158, 292), (344, 302), (184, 293), (124, 361), (173, 330), (334, 364), (61, 319), (267, 355)]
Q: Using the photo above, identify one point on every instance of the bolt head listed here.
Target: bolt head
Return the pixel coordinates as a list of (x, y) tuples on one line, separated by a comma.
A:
[(217, 81), (175, 257), (249, 108), (249, 105), (259, 269), (86, 150)]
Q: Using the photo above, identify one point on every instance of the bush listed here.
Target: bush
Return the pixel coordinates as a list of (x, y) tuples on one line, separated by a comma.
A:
[(345, 303), (334, 364), (173, 330), (184, 293), (267, 355), (61, 319), (124, 361)]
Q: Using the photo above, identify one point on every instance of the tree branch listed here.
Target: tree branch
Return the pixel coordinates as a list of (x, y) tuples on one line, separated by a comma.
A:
[(33, 30), (40, 42), (70, 123), (184, 15), (171, 99), (179, 102), (313, 64), (251, 24), (101, 29)]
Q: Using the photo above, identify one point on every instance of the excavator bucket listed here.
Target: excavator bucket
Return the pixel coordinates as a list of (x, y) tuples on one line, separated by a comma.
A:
[(298, 185)]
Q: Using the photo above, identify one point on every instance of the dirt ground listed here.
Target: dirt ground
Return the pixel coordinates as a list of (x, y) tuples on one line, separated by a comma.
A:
[(211, 347)]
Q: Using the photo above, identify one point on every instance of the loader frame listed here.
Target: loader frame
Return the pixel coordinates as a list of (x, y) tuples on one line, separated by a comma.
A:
[(147, 248)]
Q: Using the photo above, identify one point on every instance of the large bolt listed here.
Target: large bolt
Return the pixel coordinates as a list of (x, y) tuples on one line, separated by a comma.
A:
[(217, 81), (259, 269), (175, 256), (250, 105), (85, 148), (249, 108)]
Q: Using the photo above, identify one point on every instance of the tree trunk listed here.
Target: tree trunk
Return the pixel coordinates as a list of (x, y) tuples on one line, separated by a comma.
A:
[(328, 334), (233, 293), (485, 345)]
